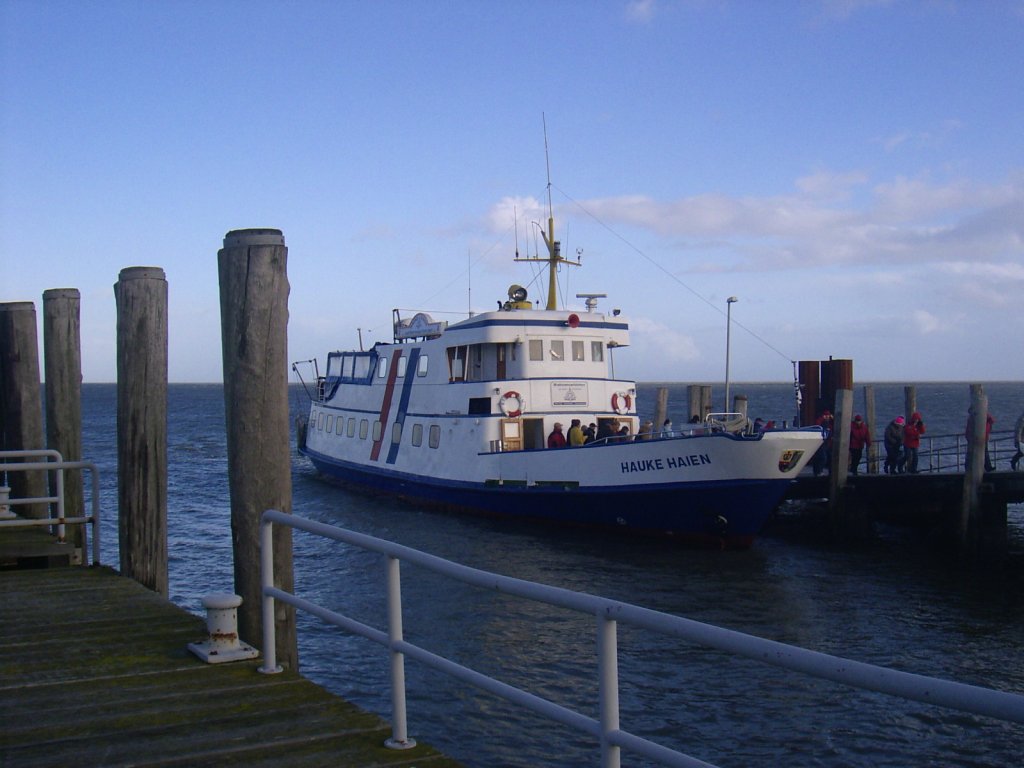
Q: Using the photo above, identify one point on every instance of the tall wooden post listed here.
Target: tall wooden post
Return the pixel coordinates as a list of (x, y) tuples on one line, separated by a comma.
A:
[(909, 401), (254, 334), (62, 362), (969, 504), (661, 409), (810, 391), (840, 468), (21, 408), (141, 296), (869, 419)]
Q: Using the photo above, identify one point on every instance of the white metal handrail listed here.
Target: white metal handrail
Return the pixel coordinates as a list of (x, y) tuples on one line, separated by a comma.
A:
[(57, 465), (1000, 705)]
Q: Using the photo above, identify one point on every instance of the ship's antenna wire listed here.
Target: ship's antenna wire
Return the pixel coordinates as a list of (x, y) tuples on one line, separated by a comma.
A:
[(673, 276), (469, 282)]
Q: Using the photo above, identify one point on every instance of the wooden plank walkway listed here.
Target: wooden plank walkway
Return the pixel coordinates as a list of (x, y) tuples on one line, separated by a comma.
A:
[(94, 671)]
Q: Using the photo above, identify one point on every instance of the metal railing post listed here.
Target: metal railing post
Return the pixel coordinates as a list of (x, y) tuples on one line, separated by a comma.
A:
[(399, 728), (270, 665), (608, 688)]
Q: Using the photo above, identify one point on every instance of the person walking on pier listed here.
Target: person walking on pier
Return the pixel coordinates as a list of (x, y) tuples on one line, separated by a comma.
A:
[(912, 440), (860, 438), (893, 440), (1018, 438)]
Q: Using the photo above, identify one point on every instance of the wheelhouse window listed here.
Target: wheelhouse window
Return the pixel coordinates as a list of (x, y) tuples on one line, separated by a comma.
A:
[(536, 349), (557, 349), (421, 366), (577, 351), (403, 362), (382, 367), (597, 351), (457, 357)]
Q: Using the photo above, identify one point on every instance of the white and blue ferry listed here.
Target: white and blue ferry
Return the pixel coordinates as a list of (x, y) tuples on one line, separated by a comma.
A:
[(458, 415)]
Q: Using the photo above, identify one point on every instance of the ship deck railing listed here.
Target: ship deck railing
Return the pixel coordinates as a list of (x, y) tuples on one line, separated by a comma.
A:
[(987, 702), (51, 462)]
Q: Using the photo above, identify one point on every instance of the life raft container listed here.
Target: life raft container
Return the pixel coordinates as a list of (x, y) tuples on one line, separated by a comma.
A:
[(621, 403), (511, 404)]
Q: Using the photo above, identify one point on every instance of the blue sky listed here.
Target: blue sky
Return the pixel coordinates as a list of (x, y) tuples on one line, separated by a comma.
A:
[(851, 170)]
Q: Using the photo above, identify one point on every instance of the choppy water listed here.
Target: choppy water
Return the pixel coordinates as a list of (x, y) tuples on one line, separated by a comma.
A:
[(888, 603)]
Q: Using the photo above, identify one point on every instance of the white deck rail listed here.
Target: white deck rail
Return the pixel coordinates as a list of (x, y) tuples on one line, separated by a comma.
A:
[(966, 698), (55, 463)]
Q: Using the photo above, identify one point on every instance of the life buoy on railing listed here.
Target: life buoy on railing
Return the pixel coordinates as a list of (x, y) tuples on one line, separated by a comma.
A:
[(621, 403), (511, 404)]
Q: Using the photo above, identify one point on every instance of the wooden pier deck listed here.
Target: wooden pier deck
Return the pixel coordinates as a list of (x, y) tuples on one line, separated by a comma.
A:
[(94, 671)]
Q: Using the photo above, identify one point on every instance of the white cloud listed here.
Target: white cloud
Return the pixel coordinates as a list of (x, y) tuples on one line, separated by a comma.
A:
[(641, 11), (926, 322)]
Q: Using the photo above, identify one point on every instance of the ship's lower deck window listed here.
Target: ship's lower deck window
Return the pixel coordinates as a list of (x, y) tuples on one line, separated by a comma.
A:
[(320, 421), (421, 366), (364, 428), (330, 422), (396, 432), (377, 428), (417, 434), (351, 430), (435, 435), (479, 405)]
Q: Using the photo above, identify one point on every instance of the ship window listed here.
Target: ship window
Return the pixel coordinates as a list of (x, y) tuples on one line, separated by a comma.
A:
[(417, 434), (557, 349), (377, 429), (382, 367), (362, 367), (577, 351), (351, 426), (396, 432), (536, 349), (330, 422), (479, 405), (364, 428), (435, 435), (346, 367), (457, 363), (402, 362), (320, 421), (597, 351), (421, 366)]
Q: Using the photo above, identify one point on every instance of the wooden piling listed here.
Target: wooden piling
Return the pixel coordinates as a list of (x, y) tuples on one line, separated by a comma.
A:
[(699, 401), (21, 408), (810, 391), (254, 335), (975, 468), (869, 419), (909, 402), (661, 409), (141, 297), (840, 468), (62, 363)]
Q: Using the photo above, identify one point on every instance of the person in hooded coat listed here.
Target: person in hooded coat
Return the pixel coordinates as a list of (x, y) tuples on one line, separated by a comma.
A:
[(860, 438), (893, 440), (912, 440)]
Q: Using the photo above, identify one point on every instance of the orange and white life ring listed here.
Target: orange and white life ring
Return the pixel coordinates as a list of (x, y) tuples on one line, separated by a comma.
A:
[(511, 404), (621, 403)]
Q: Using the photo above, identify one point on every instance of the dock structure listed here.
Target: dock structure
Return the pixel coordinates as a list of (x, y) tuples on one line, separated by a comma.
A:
[(94, 671)]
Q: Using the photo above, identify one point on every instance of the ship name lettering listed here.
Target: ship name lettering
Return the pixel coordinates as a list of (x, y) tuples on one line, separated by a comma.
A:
[(688, 461), (644, 465)]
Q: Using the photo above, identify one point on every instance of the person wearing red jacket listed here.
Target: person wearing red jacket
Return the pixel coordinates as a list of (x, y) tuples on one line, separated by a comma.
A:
[(912, 440), (860, 438)]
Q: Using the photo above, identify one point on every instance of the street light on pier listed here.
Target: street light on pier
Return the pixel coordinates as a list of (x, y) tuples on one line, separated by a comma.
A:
[(728, 329)]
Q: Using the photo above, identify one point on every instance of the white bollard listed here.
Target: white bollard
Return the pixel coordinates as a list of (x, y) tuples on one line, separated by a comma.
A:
[(222, 624), (5, 508)]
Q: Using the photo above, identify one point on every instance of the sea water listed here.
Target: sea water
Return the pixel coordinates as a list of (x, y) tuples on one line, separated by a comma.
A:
[(892, 602)]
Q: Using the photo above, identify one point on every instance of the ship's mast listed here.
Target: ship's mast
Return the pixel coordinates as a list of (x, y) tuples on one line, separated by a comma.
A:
[(554, 257)]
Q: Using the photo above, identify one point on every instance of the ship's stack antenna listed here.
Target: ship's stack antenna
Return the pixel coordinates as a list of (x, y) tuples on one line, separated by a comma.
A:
[(469, 282), (554, 256)]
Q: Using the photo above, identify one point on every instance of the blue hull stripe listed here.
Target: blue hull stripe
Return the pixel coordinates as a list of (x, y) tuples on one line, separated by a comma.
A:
[(403, 403)]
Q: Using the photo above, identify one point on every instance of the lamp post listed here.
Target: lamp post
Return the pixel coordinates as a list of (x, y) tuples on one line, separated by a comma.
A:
[(728, 329)]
